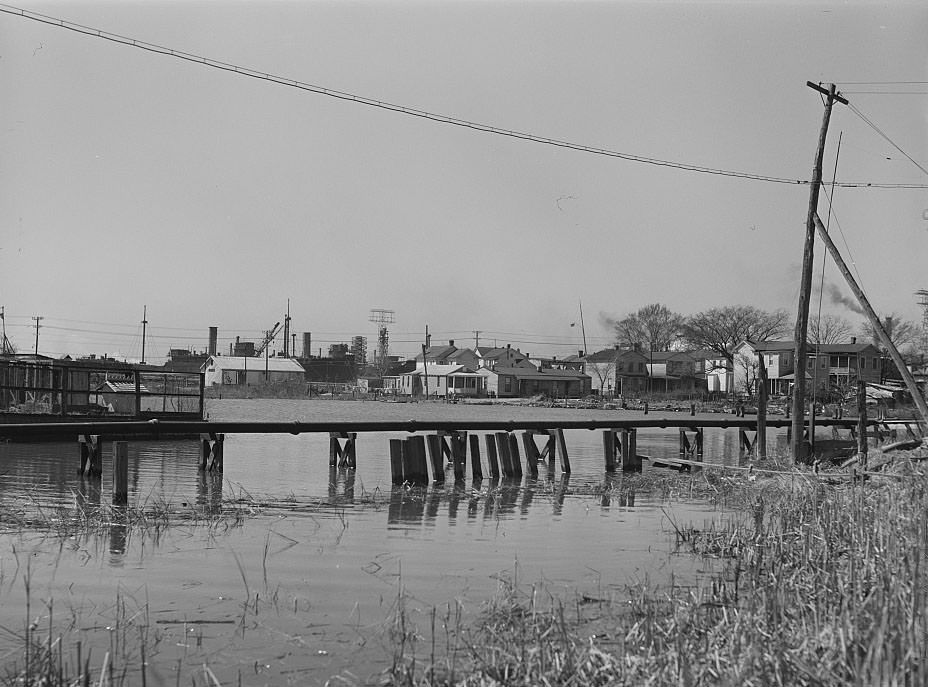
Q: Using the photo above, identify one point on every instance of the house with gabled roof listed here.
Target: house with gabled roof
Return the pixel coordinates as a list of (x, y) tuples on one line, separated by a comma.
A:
[(523, 382), (441, 380), (617, 371), (503, 357)]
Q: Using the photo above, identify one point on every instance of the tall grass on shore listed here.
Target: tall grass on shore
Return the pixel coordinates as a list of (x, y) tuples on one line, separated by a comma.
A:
[(824, 583)]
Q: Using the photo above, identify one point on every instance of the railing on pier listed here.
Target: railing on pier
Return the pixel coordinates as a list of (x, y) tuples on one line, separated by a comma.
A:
[(63, 390)]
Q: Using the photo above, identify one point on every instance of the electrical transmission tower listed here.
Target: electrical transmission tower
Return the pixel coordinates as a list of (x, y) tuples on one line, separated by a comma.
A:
[(382, 318)]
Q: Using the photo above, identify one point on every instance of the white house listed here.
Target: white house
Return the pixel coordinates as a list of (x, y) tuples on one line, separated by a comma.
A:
[(240, 370), (441, 380)]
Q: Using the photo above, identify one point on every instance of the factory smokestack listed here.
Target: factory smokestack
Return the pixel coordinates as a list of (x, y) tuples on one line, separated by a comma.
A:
[(307, 344), (213, 340)]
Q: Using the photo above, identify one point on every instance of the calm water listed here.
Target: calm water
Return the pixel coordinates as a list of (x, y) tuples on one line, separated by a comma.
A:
[(323, 560)]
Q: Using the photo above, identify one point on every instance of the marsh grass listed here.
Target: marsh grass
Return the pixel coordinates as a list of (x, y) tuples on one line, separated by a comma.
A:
[(821, 581)]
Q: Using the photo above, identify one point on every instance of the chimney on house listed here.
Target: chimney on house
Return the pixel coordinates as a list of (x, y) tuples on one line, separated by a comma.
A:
[(853, 340), (888, 326), (451, 342), (580, 353)]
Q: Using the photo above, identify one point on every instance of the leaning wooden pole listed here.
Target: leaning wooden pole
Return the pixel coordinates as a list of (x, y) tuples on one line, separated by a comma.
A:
[(877, 325), (805, 286)]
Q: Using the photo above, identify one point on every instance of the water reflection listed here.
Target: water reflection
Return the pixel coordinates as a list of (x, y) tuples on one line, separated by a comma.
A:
[(486, 499), (209, 492), (341, 484), (119, 533)]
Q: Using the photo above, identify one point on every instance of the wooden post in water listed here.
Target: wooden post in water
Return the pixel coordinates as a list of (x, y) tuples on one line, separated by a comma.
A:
[(492, 457), (396, 460), (458, 454), (90, 449), (120, 473), (434, 443), (812, 428), (415, 468), (609, 449), (630, 460), (862, 445), (476, 468), (514, 454), (562, 449), (505, 454), (531, 452), (761, 438)]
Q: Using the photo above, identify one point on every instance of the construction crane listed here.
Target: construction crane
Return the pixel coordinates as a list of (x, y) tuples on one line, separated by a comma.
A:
[(267, 340)]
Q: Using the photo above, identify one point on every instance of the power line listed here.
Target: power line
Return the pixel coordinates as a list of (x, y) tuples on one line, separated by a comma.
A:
[(414, 112), (879, 131)]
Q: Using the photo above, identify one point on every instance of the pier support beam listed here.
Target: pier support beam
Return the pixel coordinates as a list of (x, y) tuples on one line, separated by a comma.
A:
[(691, 450), (120, 473), (475, 457), (90, 452), (211, 452), (492, 456), (631, 461), (343, 456)]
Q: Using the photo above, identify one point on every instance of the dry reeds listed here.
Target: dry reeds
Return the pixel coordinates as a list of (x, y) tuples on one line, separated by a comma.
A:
[(820, 581)]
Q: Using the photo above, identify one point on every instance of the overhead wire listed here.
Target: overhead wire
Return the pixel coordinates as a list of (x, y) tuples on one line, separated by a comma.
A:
[(869, 122), (415, 112)]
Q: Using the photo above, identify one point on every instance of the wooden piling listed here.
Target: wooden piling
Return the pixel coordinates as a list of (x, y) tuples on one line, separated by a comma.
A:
[(505, 454), (562, 449), (812, 428), (609, 449), (91, 464), (492, 458), (531, 452), (120, 473), (415, 470), (760, 439), (217, 453), (514, 454), (458, 453), (476, 467), (862, 446), (630, 460), (396, 460), (436, 456)]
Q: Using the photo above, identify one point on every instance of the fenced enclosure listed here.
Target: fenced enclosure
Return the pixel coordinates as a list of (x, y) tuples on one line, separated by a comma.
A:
[(56, 389)]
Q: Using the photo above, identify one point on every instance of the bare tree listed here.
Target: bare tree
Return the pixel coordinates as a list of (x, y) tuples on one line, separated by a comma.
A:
[(722, 330), (904, 335), (604, 371), (829, 329), (654, 326)]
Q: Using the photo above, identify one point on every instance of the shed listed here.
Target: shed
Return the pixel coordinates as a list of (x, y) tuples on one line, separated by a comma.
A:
[(221, 370)]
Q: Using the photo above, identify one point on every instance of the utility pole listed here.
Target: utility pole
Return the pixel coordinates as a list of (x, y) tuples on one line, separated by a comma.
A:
[(144, 327), (425, 369), (37, 327), (805, 286), (5, 346), (287, 331)]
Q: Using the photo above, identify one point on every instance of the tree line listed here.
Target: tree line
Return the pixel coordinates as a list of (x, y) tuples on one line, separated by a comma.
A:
[(721, 330)]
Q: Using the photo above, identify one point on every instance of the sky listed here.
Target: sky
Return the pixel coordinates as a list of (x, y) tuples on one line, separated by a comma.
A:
[(133, 181)]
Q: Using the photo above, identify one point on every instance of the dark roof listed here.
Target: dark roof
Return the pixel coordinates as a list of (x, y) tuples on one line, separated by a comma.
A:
[(663, 356), (547, 373), (846, 348), (769, 346)]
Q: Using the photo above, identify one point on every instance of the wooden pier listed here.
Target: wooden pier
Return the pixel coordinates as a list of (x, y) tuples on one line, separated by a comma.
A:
[(432, 444)]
